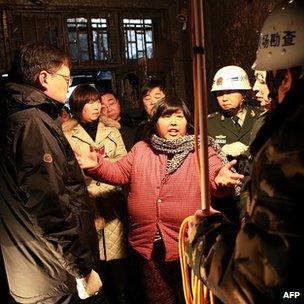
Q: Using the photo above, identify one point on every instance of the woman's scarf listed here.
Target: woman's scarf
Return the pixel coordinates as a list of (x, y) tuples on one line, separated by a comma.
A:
[(178, 149)]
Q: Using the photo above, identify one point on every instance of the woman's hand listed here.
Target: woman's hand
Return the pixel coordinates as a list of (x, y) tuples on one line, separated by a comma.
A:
[(87, 159), (228, 177)]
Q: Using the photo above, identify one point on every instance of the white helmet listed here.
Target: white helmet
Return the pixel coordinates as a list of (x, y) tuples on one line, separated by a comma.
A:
[(230, 77), (281, 42)]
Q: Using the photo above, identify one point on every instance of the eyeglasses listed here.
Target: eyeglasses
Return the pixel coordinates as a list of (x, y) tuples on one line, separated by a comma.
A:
[(110, 105), (68, 79)]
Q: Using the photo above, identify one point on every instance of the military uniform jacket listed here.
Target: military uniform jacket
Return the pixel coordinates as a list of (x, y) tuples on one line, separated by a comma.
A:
[(224, 131), (264, 259)]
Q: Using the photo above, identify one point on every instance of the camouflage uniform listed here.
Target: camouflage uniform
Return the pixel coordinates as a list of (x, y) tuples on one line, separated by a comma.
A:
[(248, 162), (264, 259)]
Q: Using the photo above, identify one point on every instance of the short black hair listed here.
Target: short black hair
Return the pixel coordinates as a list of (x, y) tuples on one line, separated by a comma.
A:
[(149, 85), (166, 106), (32, 58), (104, 92), (81, 95)]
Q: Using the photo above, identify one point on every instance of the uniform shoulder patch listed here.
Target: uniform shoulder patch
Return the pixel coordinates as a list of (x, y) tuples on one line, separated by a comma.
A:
[(212, 115), (252, 113), (255, 111)]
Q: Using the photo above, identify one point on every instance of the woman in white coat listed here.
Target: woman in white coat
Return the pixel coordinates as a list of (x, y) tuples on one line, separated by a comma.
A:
[(88, 130)]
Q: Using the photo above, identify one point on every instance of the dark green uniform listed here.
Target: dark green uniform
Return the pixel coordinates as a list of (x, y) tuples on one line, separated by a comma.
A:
[(224, 130)]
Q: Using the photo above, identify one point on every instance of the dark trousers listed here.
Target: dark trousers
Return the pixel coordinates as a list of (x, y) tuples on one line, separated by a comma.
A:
[(161, 281), (74, 299), (115, 278), (4, 290), (66, 299)]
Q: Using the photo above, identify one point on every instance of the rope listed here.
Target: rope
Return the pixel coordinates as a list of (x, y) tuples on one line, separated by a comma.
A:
[(195, 292)]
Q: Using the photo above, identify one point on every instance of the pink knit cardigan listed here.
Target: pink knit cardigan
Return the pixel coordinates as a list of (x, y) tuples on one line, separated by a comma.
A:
[(156, 200)]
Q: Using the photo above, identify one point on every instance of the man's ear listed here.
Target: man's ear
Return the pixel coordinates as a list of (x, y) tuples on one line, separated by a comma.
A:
[(285, 85), (287, 81), (43, 80)]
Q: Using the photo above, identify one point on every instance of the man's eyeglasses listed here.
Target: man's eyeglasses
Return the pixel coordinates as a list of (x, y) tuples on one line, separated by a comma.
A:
[(107, 106), (68, 79)]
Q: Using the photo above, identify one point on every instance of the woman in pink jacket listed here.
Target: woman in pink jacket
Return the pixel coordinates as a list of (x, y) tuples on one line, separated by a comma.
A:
[(164, 189)]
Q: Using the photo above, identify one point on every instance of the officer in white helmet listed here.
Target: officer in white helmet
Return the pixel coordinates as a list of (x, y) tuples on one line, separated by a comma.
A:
[(231, 126), (262, 262)]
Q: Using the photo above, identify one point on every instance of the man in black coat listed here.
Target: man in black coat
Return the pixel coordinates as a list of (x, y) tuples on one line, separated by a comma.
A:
[(48, 240), (110, 107)]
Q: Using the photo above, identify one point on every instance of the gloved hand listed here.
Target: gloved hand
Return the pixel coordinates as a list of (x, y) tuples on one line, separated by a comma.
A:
[(89, 285), (235, 149)]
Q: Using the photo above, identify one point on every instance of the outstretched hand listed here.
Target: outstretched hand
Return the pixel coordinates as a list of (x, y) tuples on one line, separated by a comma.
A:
[(86, 159), (228, 177)]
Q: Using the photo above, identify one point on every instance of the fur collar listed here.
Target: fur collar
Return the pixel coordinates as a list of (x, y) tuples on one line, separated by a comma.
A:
[(106, 121)]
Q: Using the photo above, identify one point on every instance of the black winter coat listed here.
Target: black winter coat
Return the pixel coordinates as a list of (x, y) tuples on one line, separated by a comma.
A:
[(47, 230)]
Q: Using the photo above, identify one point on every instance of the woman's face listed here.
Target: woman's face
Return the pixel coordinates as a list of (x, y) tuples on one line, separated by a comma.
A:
[(261, 89), (91, 111), (173, 125), (151, 98)]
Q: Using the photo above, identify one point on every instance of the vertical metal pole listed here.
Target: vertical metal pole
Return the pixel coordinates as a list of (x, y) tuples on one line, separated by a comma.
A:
[(200, 98)]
